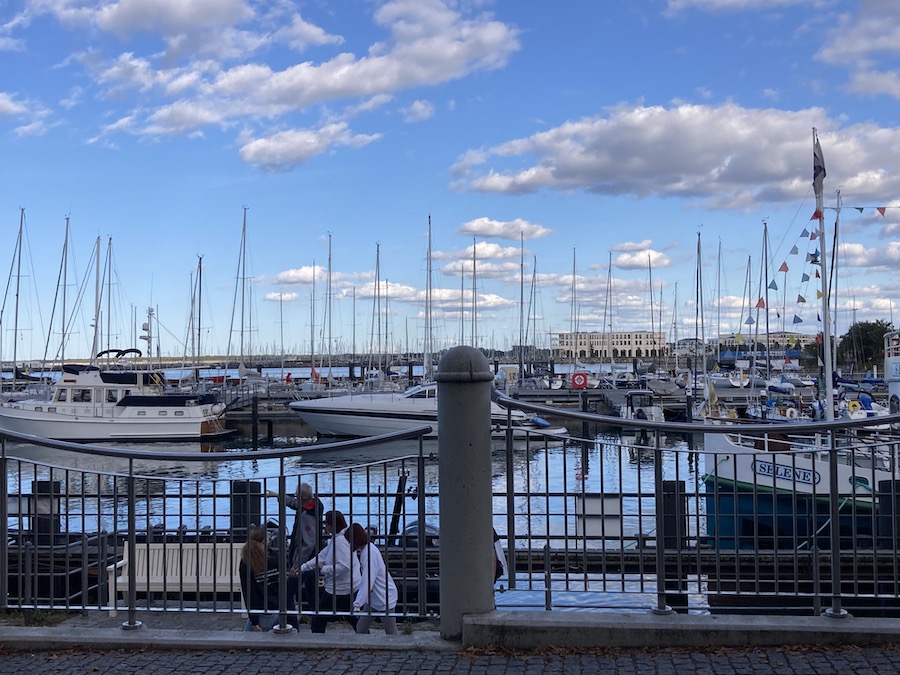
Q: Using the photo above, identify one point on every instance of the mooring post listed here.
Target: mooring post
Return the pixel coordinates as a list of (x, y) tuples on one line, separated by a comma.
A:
[(464, 459)]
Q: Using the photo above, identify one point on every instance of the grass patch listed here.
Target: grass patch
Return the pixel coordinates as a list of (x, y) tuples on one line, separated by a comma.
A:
[(35, 617)]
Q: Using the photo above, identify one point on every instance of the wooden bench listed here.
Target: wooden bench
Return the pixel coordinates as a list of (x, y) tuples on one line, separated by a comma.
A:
[(178, 567)]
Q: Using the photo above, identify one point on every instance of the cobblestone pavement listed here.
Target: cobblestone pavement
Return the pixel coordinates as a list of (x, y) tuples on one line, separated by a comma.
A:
[(783, 661)]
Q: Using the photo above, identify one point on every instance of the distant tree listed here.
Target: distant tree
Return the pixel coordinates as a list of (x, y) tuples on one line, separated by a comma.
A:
[(862, 346)]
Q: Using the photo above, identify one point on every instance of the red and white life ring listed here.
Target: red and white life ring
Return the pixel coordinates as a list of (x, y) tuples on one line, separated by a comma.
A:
[(579, 380)]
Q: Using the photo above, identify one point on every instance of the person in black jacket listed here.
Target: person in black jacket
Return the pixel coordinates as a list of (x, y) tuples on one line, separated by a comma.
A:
[(260, 581)]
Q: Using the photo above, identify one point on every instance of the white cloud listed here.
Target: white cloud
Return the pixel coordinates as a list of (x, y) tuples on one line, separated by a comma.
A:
[(282, 297), (302, 34), (10, 106), (642, 260), (289, 148), (303, 275), (511, 229), (170, 16), (418, 111), (723, 156)]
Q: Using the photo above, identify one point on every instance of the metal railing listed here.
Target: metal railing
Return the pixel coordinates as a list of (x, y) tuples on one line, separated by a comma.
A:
[(654, 516), (90, 527), (705, 517)]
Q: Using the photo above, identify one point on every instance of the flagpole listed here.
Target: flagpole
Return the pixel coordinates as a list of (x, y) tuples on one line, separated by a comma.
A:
[(818, 179)]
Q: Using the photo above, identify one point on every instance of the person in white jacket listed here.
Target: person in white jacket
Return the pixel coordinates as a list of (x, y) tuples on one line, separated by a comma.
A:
[(377, 594), (338, 567)]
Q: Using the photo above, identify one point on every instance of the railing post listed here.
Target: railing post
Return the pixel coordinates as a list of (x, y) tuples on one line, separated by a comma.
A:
[(835, 611), (282, 627), (464, 460), (132, 622), (661, 606)]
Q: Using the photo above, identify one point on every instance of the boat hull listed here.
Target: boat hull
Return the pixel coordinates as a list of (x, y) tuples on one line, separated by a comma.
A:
[(156, 424), (778, 499), (374, 414)]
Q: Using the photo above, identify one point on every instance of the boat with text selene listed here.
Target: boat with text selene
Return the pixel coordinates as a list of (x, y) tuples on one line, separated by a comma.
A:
[(88, 403), (372, 414)]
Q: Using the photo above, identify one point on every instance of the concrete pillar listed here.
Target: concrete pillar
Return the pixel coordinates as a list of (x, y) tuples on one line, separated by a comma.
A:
[(464, 459)]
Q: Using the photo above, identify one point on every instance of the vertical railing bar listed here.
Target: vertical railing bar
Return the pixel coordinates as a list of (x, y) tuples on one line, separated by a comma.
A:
[(282, 627), (510, 510), (661, 606), (4, 526), (132, 622), (420, 542), (835, 611)]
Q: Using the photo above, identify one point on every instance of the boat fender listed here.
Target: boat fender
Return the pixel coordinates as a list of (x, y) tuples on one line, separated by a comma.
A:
[(854, 406), (540, 422), (579, 380), (791, 413), (218, 409)]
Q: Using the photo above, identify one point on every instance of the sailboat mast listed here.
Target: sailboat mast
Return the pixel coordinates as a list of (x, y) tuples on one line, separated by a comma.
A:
[(108, 292), (650, 289), (65, 273), (474, 292), (698, 314), (719, 304), (426, 347), (328, 301), (96, 300), (199, 304), (521, 306), (818, 187), (15, 360), (766, 273)]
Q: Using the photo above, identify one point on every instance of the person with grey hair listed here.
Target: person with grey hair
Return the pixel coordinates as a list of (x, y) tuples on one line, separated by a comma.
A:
[(305, 543)]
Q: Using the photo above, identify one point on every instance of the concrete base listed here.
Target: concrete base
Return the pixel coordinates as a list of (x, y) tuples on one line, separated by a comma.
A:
[(538, 630)]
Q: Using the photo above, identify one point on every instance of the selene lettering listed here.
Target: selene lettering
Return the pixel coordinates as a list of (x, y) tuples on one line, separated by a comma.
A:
[(786, 472)]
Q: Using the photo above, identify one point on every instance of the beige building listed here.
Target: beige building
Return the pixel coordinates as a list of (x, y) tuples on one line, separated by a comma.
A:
[(623, 346), (777, 340)]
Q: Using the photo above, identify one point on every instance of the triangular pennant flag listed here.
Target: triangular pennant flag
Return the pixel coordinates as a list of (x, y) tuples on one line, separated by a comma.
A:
[(818, 295), (818, 318), (777, 314), (805, 233), (858, 208), (794, 251), (797, 319), (783, 268), (818, 276), (813, 235), (773, 286), (880, 210), (812, 258), (805, 277), (739, 338), (800, 299), (816, 215), (760, 304), (749, 321)]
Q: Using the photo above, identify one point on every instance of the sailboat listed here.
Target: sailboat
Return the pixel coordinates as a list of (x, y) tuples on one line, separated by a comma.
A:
[(115, 403), (770, 490)]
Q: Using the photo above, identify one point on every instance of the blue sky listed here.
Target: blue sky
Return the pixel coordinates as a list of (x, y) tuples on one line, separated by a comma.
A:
[(605, 132)]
